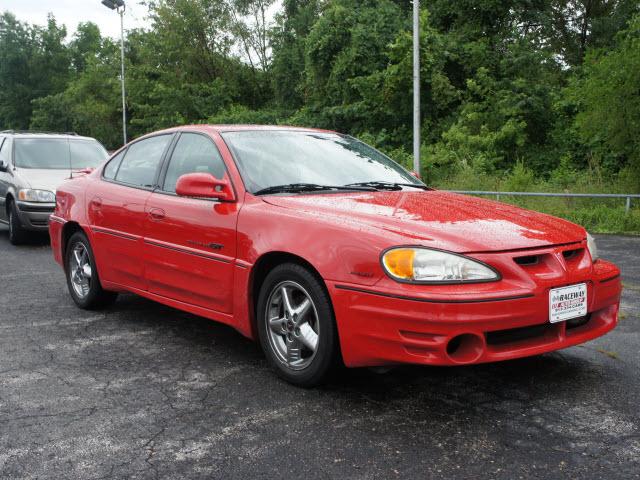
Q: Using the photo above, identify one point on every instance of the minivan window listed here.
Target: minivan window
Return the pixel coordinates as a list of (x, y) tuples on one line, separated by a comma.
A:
[(58, 153), (4, 158), (193, 153), (141, 161), (86, 154)]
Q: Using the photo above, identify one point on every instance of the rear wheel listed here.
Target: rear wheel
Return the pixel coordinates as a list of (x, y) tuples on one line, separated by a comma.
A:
[(82, 275), (17, 233), (296, 325)]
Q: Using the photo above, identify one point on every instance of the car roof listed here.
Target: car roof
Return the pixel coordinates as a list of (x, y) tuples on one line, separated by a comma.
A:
[(247, 127), (25, 134)]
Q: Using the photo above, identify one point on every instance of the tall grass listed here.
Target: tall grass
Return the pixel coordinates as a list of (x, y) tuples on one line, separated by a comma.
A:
[(600, 215)]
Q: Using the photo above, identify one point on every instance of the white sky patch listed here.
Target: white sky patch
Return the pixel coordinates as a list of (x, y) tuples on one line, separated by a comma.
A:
[(72, 12)]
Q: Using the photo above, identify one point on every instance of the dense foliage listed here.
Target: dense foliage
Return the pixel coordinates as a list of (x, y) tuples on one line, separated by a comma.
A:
[(517, 94)]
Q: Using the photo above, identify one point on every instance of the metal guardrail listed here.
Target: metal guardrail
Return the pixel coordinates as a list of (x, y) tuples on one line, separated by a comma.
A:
[(627, 196)]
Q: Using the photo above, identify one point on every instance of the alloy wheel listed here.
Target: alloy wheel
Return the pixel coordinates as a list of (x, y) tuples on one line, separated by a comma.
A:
[(80, 270), (292, 325)]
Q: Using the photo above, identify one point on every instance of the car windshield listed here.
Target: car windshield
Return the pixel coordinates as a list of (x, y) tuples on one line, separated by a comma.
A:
[(58, 153), (269, 158)]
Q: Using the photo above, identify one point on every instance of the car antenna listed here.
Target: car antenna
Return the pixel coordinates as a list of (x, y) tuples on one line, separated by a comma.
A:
[(70, 162)]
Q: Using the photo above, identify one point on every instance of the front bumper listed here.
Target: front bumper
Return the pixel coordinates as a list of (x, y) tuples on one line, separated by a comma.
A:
[(377, 327), (35, 216)]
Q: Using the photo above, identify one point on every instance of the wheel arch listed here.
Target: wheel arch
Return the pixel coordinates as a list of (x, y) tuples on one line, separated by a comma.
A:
[(261, 268), (68, 230), (8, 201)]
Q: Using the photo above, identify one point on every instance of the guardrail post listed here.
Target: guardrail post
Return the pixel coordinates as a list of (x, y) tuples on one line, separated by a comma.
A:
[(627, 206), (498, 197)]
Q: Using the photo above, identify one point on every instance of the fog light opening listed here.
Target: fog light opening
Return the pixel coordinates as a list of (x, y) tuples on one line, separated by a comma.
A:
[(465, 348)]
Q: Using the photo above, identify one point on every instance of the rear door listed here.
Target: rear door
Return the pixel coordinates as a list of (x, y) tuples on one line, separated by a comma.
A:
[(190, 243), (116, 210)]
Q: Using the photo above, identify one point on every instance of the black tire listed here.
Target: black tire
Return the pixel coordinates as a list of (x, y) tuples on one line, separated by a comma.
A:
[(326, 354), (17, 233), (96, 296)]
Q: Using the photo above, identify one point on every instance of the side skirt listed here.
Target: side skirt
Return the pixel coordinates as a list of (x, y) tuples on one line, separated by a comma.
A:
[(225, 318)]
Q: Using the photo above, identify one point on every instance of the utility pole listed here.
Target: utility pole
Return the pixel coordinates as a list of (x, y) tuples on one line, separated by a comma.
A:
[(416, 86), (119, 6)]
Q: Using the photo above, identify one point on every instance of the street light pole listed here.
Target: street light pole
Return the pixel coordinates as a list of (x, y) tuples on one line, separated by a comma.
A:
[(416, 86), (119, 6), (124, 92)]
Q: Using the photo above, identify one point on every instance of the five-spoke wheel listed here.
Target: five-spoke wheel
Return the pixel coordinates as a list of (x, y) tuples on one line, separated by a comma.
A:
[(296, 324), (82, 276), (293, 325), (80, 270)]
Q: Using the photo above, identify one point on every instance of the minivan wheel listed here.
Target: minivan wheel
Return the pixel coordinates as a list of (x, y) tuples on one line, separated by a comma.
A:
[(296, 325), (82, 275), (17, 233)]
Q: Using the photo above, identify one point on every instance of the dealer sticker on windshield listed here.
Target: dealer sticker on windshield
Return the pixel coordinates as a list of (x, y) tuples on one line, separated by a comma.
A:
[(567, 302)]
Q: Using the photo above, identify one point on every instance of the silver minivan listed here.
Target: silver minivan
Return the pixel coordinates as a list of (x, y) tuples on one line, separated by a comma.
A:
[(32, 165)]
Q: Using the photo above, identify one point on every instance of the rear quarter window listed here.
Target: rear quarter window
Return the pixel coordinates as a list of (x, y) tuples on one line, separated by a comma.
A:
[(140, 164), (111, 168)]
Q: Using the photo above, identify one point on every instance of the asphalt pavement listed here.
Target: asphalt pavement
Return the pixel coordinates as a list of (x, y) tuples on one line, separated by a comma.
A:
[(144, 391)]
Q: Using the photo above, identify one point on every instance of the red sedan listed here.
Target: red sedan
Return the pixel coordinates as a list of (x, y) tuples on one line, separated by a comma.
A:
[(326, 250)]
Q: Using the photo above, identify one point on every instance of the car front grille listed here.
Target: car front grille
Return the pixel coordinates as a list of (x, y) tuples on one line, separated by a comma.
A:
[(512, 335), (40, 223)]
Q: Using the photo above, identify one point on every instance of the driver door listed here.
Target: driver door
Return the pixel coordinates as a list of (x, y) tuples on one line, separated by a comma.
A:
[(190, 243)]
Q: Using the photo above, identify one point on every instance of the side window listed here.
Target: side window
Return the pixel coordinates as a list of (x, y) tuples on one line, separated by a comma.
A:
[(111, 168), (141, 161), (4, 148), (193, 153)]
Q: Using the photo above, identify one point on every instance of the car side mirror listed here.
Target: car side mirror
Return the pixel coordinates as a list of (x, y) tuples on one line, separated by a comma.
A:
[(204, 185), (3, 166)]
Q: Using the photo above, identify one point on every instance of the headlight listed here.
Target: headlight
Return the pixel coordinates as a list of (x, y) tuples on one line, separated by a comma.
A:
[(592, 247), (29, 195), (423, 265)]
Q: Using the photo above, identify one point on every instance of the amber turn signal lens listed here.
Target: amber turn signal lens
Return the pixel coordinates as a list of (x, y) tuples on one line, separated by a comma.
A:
[(399, 262)]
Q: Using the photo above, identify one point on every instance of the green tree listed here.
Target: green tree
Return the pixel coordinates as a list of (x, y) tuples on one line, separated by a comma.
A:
[(288, 39), (34, 63), (16, 48), (607, 95), (349, 40), (86, 44)]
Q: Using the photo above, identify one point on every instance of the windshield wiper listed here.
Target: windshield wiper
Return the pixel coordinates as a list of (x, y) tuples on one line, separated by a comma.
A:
[(310, 187), (383, 185)]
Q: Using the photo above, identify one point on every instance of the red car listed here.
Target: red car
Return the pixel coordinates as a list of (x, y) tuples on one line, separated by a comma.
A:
[(326, 250)]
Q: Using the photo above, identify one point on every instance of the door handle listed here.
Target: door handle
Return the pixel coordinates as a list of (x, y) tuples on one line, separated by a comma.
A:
[(156, 214), (96, 203)]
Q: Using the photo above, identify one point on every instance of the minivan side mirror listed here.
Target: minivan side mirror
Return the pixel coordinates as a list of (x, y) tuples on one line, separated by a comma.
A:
[(204, 185), (3, 166)]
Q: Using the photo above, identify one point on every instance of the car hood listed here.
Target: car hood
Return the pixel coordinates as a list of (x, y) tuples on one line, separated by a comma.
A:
[(438, 219), (43, 179)]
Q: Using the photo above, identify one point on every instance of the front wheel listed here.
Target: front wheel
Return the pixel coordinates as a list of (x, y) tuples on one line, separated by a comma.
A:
[(17, 233), (296, 325), (82, 275)]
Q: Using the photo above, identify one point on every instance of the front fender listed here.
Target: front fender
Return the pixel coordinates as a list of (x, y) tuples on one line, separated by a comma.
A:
[(339, 250)]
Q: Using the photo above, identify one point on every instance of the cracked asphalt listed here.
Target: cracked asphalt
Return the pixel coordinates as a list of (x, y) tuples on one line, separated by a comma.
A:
[(144, 391)]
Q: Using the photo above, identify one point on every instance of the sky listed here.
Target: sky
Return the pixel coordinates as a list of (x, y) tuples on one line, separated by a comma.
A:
[(72, 12)]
